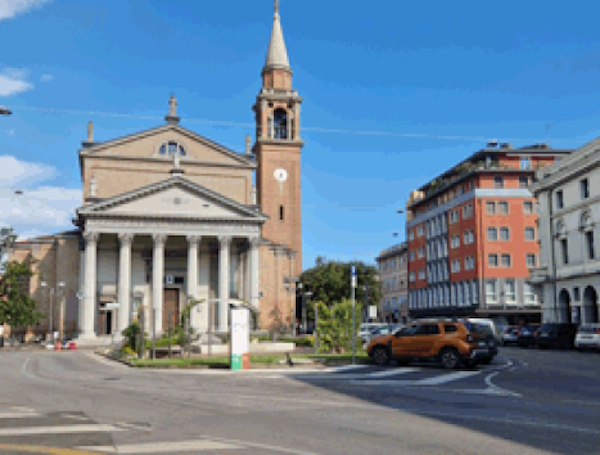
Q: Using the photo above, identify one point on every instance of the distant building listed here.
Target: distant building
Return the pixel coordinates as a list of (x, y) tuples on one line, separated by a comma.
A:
[(472, 237), (569, 272), (393, 275)]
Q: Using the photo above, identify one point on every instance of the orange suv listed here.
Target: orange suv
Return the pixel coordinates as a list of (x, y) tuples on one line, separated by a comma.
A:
[(448, 342)]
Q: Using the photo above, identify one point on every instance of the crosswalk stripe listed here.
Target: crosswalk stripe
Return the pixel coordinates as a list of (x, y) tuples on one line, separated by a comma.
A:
[(391, 372), (60, 429), (447, 378), (18, 415), (165, 447)]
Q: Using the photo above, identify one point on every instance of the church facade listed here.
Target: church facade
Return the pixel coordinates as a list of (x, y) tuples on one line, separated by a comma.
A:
[(169, 216)]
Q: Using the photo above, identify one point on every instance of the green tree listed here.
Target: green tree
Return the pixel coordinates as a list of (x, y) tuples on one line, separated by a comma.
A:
[(335, 326), (17, 308), (7, 240), (329, 281)]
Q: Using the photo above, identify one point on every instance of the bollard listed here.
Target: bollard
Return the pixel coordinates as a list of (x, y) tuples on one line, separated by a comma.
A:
[(58, 346)]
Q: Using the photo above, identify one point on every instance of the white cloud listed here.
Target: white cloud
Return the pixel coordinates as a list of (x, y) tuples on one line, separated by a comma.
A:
[(13, 81), (46, 77), (41, 209), (10, 8)]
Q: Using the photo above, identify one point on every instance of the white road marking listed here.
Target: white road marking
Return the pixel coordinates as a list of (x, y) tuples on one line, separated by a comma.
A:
[(264, 446), (443, 379), (18, 415), (391, 372), (60, 429), (165, 447), (73, 416), (344, 368), (491, 385), (23, 409)]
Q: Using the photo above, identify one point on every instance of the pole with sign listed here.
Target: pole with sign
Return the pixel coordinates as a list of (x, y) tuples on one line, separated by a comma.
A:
[(353, 283), (240, 339)]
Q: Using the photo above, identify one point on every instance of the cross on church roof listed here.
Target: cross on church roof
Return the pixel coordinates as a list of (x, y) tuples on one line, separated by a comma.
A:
[(172, 117)]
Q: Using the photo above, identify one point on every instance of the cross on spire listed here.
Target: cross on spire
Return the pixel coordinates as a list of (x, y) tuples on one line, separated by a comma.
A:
[(276, 6)]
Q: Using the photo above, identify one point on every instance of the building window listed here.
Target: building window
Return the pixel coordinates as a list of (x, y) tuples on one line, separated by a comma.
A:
[(492, 234), (281, 212), (510, 293), (589, 242), (421, 252), (280, 117), (525, 163), (529, 234), (490, 291), (411, 277), (559, 199), (411, 256), (584, 185), (453, 216), (470, 263), (527, 207), (503, 208), (576, 295), (529, 293), (498, 181), (172, 148), (455, 241), (505, 260), (411, 235), (531, 260), (564, 248), (504, 234), (490, 208), (467, 211), (492, 260), (455, 265), (523, 182), (422, 274), (420, 231), (475, 292)]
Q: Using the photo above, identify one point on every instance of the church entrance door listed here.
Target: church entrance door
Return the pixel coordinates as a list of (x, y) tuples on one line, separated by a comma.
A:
[(170, 309)]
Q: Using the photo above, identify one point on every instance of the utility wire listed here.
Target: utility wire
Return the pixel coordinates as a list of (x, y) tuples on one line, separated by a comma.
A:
[(304, 128)]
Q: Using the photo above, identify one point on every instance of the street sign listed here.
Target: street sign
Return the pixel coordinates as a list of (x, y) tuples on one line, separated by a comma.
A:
[(111, 306), (373, 311), (353, 269)]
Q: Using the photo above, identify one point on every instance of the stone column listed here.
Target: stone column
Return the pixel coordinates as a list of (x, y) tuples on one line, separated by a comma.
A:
[(247, 273), (124, 310), (192, 271), (88, 309), (158, 273), (224, 243), (254, 275), (297, 116)]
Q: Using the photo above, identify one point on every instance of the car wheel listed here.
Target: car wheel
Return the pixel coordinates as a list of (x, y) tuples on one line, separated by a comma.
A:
[(450, 358), (381, 356)]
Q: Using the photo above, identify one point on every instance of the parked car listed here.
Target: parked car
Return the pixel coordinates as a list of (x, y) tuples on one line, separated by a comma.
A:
[(526, 336), (447, 342), (485, 338), (510, 336), (588, 337), (367, 328), (557, 335)]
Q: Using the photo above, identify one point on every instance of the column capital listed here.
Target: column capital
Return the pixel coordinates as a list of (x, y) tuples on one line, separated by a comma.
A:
[(91, 237), (159, 239), (193, 239), (125, 238), (254, 242), (224, 241)]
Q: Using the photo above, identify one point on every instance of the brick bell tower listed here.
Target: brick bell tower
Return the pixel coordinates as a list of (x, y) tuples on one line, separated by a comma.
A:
[(278, 148)]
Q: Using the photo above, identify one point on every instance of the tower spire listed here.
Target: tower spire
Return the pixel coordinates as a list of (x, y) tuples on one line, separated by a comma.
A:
[(277, 57)]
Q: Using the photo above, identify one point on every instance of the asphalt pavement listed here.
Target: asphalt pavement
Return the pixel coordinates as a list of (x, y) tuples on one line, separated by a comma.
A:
[(526, 401)]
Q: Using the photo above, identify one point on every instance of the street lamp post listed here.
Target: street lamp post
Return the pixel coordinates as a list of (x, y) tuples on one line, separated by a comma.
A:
[(52, 292)]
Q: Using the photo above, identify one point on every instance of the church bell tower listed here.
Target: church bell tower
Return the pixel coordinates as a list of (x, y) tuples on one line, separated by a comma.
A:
[(278, 148)]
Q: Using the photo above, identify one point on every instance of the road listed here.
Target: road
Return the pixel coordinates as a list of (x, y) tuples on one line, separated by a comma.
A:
[(526, 402)]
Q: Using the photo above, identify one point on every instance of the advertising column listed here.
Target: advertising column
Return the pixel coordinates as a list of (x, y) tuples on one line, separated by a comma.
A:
[(240, 339)]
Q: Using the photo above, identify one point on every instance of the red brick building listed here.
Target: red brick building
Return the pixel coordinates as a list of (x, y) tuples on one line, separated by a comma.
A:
[(472, 237)]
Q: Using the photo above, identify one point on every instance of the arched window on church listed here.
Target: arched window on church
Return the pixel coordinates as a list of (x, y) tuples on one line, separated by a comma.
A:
[(280, 118), (171, 148)]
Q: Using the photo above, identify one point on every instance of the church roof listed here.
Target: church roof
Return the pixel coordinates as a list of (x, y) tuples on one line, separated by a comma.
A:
[(277, 57)]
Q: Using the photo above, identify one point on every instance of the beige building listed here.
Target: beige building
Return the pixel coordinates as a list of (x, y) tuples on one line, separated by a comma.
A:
[(168, 214), (393, 276)]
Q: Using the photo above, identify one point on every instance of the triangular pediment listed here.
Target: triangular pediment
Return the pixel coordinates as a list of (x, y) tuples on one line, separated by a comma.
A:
[(147, 144), (176, 198)]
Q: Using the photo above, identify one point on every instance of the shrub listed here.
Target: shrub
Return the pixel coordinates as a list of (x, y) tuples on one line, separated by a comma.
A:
[(127, 351), (131, 335)]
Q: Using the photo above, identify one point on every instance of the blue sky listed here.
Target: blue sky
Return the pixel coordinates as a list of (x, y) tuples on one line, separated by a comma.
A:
[(381, 81)]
